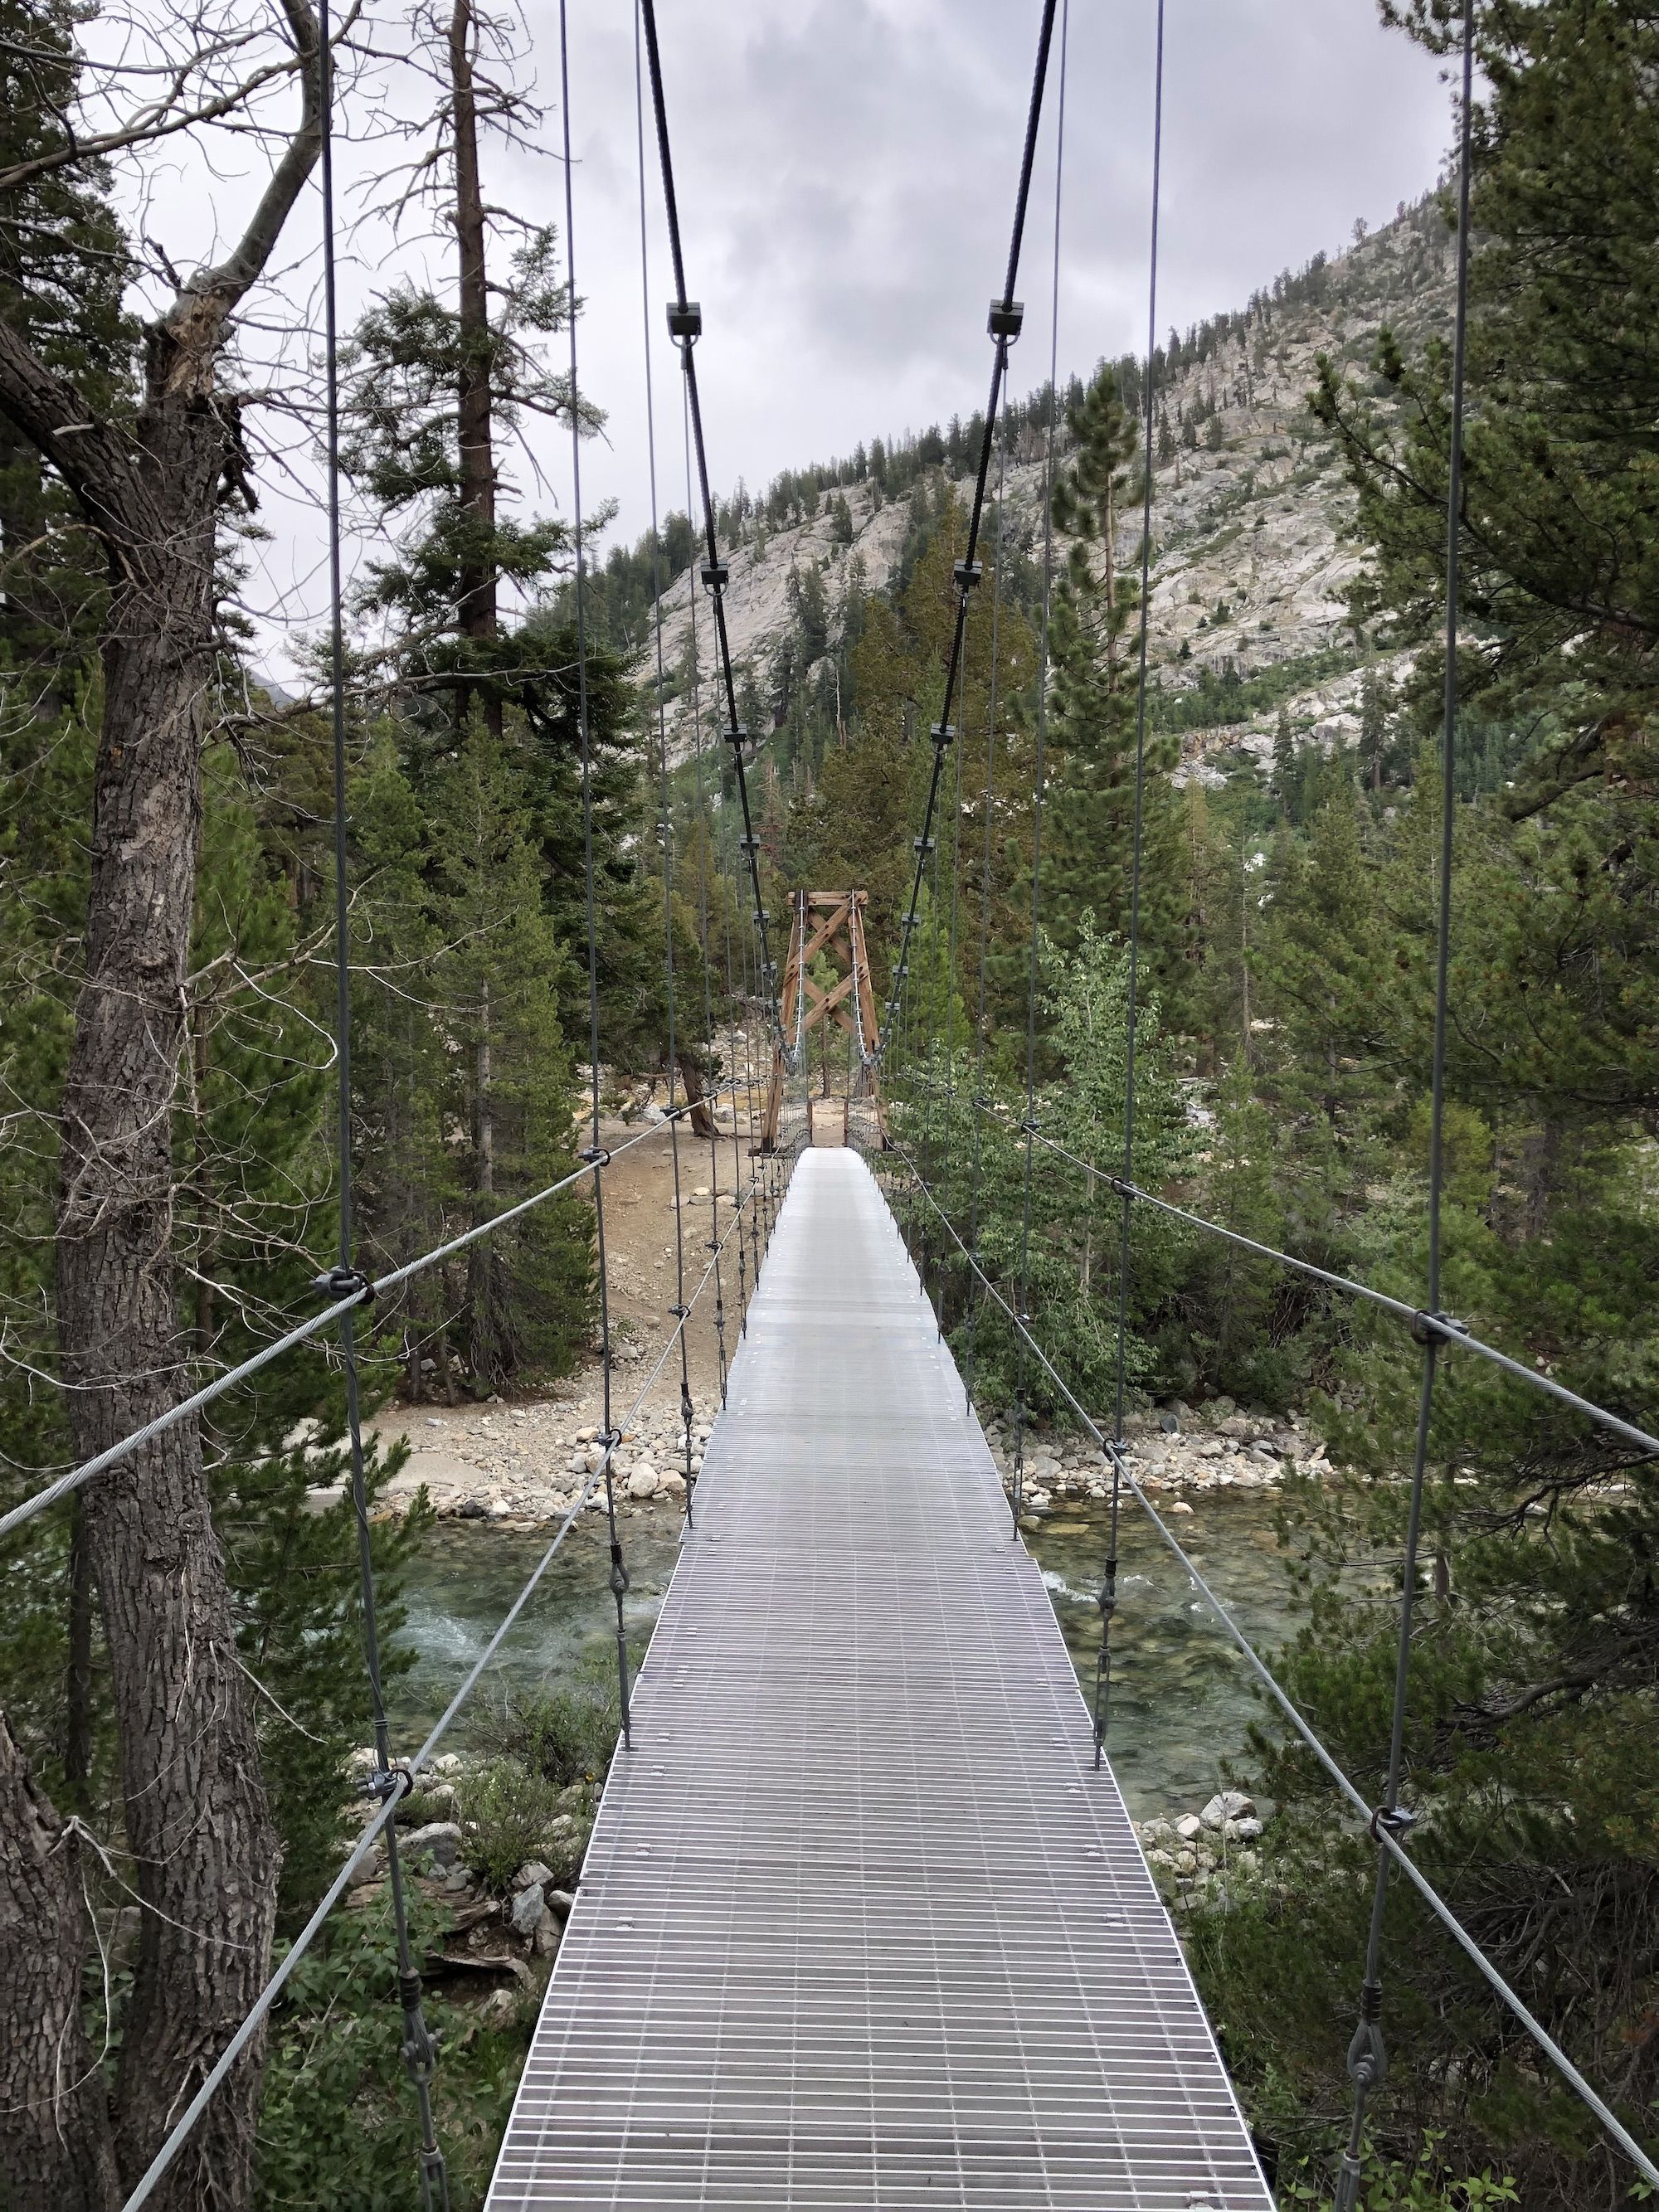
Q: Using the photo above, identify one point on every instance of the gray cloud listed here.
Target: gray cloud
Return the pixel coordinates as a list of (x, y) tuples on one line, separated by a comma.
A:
[(846, 172)]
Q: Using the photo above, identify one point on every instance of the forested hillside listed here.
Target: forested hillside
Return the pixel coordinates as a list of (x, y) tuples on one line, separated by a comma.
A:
[(181, 1677)]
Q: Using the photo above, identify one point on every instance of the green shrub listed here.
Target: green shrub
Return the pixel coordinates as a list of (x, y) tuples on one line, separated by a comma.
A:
[(562, 1736), (505, 1812)]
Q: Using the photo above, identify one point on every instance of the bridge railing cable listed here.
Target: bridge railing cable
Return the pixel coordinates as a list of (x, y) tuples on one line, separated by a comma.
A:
[(1451, 1334), (404, 1774), (363, 1292), (1391, 1843), (685, 327)]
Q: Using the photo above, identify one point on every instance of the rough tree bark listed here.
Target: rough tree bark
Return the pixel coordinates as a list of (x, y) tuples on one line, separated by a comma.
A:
[(203, 1848), (55, 2147)]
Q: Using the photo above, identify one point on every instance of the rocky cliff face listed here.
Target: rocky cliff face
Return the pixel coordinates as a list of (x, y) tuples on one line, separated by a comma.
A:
[(1251, 550)]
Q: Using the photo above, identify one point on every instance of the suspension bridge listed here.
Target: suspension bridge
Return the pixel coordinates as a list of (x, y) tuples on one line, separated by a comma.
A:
[(862, 1921)]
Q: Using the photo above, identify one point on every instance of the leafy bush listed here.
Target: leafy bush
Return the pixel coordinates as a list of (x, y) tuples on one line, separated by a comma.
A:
[(562, 1736), (506, 1813), (337, 2123)]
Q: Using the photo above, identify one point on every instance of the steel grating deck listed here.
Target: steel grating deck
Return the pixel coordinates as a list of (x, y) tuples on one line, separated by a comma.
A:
[(859, 1924)]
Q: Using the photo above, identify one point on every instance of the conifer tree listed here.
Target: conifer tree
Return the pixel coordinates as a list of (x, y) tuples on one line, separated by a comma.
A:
[(1088, 827)]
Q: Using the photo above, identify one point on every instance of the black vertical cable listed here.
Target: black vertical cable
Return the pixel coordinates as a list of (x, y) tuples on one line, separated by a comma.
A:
[(595, 1152), (1036, 811), (707, 818), (1108, 1599), (975, 1300), (419, 2056), (1367, 2058), (688, 1412), (686, 320), (1006, 317)]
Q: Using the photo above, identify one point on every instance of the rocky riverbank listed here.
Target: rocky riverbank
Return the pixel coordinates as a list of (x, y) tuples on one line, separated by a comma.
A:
[(526, 1464)]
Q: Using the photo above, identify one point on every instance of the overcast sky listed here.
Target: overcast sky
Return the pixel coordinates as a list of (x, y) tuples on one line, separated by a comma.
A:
[(846, 172)]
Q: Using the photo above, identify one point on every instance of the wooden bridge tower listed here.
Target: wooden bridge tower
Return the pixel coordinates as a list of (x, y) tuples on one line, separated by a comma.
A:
[(832, 923)]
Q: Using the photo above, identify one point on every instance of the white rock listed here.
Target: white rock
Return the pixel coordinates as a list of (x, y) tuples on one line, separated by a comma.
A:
[(642, 1483), (531, 1873), (1188, 1826)]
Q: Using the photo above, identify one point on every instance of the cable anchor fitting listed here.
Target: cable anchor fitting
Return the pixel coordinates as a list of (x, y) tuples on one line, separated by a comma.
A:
[(1395, 1820), (344, 1282), (1436, 1328)]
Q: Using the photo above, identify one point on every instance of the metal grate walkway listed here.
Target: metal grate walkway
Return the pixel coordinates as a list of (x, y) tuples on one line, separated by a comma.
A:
[(859, 1924)]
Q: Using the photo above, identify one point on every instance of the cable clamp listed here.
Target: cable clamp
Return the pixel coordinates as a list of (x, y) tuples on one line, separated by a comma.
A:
[(684, 321), (419, 2057), (618, 1571), (1396, 1820), (749, 845), (924, 845), (384, 1782), (1436, 1328), (908, 922), (737, 735), (679, 1312), (943, 735), (344, 1283), (968, 573), (1007, 320), (716, 575), (1120, 1186), (1368, 2060), (1029, 1127), (594, 1156)]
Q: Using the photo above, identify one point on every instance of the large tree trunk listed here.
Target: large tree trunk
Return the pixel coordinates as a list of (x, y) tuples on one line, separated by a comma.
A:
[(56, 2149), (204, 1849)]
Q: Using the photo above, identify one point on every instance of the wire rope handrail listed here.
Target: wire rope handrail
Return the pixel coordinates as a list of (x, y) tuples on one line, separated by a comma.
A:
[(402, 1776), (1452, 1334), (363, 1292), (1350, 1791)]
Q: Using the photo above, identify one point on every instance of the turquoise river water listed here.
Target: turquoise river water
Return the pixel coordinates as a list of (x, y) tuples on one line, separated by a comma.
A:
[(1182, 1701)]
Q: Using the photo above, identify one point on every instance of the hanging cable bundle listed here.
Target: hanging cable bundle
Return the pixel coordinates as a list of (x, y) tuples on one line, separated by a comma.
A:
[(418, 2054), (685, 328), (595, 1154), (688, 1410), (1036, 804), (1005, 323)]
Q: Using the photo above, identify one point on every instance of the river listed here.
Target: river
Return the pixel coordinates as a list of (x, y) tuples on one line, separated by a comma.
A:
[(1182, 1701)]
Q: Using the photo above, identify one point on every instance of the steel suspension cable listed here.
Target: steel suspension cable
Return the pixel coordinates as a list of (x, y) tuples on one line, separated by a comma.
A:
[(1349, 1790), (706, 814), (419, 2055), (685, 325), (403, 1779), (1453, 1335), (1367, 2055), (1005, 320), (618, 1577), (985, 916), (1037, 806), (1108, 1599), (687, 1412)]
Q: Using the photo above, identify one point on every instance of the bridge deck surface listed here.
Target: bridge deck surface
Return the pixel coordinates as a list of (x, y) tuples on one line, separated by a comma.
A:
[(859, 1924)]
